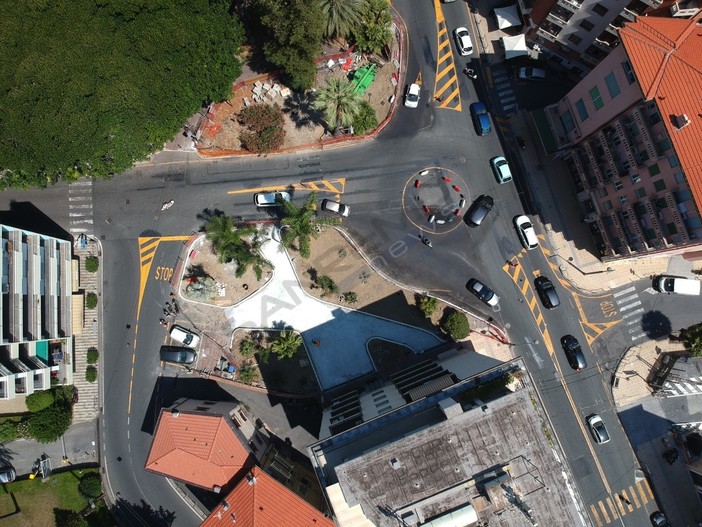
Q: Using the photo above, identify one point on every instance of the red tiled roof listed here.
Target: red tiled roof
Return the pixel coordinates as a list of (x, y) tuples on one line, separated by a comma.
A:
[(666, 55), (195, 448), (265, 503)]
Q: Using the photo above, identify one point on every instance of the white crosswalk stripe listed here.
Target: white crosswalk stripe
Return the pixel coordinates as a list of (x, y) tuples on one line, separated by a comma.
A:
[(682, 387), (502, 84), (628, 303), (80, 207)]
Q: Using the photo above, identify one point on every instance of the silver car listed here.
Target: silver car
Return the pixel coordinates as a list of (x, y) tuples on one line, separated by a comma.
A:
[(335, 207)]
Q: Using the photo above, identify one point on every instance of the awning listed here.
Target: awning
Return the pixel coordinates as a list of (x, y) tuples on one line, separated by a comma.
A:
[(515, 46), (78, 303), (507, 16)]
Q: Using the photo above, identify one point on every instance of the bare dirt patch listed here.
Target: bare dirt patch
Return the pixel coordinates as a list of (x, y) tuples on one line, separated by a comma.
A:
[(231, 290)]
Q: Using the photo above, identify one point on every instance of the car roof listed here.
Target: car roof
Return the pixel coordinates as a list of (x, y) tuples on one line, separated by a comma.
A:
[(478, 107)]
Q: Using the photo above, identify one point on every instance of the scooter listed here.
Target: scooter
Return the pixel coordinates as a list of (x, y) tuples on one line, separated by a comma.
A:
[(167, 205), (470, 73), (426, 241)]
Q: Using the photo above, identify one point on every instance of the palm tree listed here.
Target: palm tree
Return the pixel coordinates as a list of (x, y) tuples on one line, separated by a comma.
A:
[(342, 16), (300, 224), (229, 244), (286, 344), (692, 339), (338, 102)]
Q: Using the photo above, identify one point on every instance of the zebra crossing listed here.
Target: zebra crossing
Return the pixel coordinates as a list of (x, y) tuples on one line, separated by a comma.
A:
[(629, 305), (678, 387), (502, 84), (80, 207), (619, 504)]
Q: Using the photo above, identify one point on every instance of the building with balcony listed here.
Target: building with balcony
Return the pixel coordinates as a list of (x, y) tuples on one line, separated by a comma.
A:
[(630, 132), (578, 34), (37, 342)]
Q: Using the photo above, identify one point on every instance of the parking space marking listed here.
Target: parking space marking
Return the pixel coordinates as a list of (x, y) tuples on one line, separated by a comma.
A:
[(446, 89)]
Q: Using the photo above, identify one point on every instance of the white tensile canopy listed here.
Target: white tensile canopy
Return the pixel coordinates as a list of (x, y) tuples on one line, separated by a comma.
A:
[(515, 46), (507, 16)]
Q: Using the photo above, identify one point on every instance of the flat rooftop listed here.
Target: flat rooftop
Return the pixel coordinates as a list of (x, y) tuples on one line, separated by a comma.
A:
[(495, 457)]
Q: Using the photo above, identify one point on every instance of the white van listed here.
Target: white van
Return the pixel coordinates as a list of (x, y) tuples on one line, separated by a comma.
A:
[(677, 285)]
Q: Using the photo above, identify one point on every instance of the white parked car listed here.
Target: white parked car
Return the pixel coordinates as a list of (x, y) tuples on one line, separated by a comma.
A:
[(526, 232), (500, 167), (185, 337), (464, 44), (270, 199), (412, 96), (532, 74)]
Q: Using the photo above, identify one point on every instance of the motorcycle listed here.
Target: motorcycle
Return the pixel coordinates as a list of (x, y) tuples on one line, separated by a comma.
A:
[(426, 241), (167, 205), (470, 73)]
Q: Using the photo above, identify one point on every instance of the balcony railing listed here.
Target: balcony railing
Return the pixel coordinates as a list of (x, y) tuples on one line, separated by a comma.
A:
[(643, 129), (545, 34), (570, 5), (594, 168), (677, 219)]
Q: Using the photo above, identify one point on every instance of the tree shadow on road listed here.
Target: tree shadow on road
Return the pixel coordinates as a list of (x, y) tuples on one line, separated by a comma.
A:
[(656, 325), (142, 514)]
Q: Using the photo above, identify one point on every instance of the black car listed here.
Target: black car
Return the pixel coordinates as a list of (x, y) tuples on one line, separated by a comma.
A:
[(483, 292), (479, 209), (547, 292), (658, 519), (573, 351), (177, 354)]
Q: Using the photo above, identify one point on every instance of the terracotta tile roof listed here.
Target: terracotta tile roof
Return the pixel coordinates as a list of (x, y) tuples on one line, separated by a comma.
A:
[(265, 503), (666, 55), (195, 448)]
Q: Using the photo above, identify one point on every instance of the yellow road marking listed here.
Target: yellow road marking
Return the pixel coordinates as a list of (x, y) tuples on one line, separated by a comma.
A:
[(634, 496), (620, 505), (611, 506), (593, 512), (604, 512), (628, 501), (643, 487), (335, 186)]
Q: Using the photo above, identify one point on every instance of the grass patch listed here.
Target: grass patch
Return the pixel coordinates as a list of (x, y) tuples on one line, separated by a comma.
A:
[(37, 499)]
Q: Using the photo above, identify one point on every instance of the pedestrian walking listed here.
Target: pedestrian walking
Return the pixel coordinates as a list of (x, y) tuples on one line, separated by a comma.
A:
[(163, 322), (166, 312)]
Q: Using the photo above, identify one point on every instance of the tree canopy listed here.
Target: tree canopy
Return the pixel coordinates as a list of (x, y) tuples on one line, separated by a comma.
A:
[(89, 87), (691, 338)]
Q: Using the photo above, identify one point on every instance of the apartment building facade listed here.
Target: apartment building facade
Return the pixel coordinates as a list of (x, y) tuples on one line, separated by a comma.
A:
[(630, 133), (36, 319)]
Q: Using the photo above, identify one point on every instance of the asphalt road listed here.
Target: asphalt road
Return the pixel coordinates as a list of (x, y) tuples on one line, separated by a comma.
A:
[(386, 221)]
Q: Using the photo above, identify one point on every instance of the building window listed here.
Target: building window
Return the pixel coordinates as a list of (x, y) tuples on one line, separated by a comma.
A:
[(673, 160), (654, 170), (607, 205), (640, 192), (628, 72), (567, 121), (659, 185), (596, 98), (586, 25), (672, 229), (599, 9), (623, 200), (618, 185), (582, 111), (574, 39), (635, 178), (679, 178), (612, 85), (603, 192)]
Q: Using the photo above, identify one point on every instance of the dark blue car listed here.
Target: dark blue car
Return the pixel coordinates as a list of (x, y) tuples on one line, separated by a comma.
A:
[(481, 118)]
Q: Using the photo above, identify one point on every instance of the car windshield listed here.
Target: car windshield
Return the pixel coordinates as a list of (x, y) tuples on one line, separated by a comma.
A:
[(412, 96), (526, 225), (188, 338)]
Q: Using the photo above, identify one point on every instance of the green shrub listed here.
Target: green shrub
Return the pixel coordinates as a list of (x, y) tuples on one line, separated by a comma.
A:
[(365, 119), (92, 263), (93, 355), (327, 284), (91, 374), (247, 373), (248, 347), (90, 485), (428, 305), (39, 400), (456, 324), (23, 429), (264, 127), (8, 430), (351, 297), (90, 301), (47, 425)]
